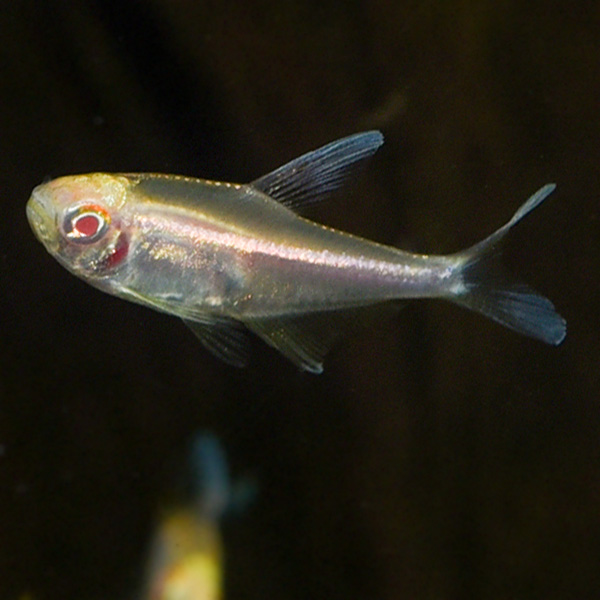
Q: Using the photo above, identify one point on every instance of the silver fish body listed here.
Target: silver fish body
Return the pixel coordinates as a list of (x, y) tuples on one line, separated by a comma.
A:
[(236, 252), (222, 255)]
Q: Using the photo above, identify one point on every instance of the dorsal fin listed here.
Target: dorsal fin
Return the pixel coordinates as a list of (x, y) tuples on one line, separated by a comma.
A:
[(312, 176)]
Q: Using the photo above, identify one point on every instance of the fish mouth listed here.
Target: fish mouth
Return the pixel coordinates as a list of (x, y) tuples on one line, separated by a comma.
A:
[(40, 219)]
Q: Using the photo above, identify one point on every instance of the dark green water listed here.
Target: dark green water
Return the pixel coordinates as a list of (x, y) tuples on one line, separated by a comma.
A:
[(439, 456)]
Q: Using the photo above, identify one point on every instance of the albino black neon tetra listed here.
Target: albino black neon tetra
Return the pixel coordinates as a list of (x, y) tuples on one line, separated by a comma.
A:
[(227, 257)]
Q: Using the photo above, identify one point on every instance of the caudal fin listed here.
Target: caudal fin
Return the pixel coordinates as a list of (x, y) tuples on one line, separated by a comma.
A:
[(484, 286)]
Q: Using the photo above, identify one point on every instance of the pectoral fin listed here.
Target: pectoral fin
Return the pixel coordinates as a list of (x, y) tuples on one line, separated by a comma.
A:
[(308, 178), (226, 338)]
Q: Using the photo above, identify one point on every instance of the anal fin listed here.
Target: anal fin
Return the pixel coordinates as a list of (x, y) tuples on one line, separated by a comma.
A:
[(305, 339)]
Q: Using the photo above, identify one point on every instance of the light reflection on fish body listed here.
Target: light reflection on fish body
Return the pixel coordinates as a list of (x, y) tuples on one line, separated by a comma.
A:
[(229, 257)]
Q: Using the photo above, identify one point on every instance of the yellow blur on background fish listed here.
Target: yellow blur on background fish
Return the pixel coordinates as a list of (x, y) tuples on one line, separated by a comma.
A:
[(231, 258), (186, 558)]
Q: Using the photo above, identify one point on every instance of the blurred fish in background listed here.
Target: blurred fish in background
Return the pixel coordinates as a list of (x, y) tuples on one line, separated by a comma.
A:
[(186, 556)]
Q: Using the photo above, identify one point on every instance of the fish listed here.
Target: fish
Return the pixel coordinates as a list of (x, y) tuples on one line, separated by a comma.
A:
[(231, 258), (186, 555)]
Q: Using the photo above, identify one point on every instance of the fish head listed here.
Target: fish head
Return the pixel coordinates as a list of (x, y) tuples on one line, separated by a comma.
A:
[(79, 221)]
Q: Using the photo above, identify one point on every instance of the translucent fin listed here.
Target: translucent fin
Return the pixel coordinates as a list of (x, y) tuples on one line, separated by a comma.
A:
[(531, 203), (225, 338), (297, 338), (312, 176), (485, 287)]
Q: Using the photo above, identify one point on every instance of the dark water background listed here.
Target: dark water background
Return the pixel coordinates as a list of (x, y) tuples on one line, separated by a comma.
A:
[(439, 456)]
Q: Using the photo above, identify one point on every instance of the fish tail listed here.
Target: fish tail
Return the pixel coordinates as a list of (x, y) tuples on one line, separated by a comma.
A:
[(482, 285)]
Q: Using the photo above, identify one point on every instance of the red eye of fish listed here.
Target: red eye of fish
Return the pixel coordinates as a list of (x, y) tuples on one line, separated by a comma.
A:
[(86, 224)]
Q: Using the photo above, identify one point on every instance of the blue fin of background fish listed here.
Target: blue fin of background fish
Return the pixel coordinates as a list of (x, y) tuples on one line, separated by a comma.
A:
[(490, 291), (312, 176), (216, 495), (210, 475)]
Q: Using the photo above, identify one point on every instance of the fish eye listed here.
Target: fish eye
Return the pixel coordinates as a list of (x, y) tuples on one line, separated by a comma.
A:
[(86, 224)]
